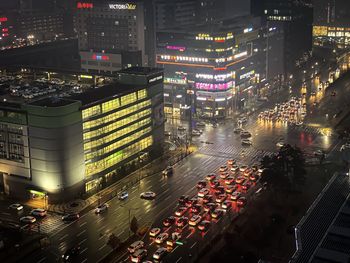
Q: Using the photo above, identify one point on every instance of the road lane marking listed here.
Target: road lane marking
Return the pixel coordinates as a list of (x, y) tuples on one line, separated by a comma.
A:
[(179, 259), (81, 252), (104, 245), (101, 228), (82, 241), (195, 243), (167, 197), (5, 213), (41, 260), (121, 233), (63, 237), (85, 260), (83, 224), (82, 232), (133, 191)]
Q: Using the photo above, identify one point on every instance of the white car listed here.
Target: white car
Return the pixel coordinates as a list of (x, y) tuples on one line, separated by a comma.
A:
[(148, 195), (123, 195), (181, 128), (154, 231), (203, 192), (246, 142), (345, 147), (160, 253), (135, 246), (138, 255), (101, 208), (195, 220), (200, 124), (167, 133), (196, 133), (223, 168), (27, 219), (243, 168), (245, 134), (17, 207), (162, 237), (38, 212), (280, 144)]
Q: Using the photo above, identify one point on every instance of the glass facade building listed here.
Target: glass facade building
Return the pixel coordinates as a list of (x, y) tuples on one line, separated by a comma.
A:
[(73, 145)]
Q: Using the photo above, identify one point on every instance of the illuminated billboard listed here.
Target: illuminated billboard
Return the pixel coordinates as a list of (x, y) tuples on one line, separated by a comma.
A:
[(126, 6)]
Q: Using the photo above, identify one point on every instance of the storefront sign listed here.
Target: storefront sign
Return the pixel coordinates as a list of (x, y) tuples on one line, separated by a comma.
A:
[(155, 79)]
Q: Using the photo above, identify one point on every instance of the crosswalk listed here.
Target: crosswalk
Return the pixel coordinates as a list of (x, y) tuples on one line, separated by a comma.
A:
[(246, 155), (52, 223)]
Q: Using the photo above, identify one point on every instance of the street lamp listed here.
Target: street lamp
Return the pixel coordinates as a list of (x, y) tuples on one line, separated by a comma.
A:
[(129, 209)]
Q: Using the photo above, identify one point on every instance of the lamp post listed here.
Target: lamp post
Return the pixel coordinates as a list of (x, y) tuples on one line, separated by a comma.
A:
[(129, 211)]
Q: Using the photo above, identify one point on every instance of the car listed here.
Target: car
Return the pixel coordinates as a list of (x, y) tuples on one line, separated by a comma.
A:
[(211, 177), (101, 208), (243, 168), (71, 253), (319, 153), (183, 199), (215, 125), (182, 221), (135, 246), (200, 124), (154, 231), (242, 120), (235, 196), (230, 180), (196, 209), (167, 133), (230, 189), (168, 171), (195, 219), (223, 168), (39, 212), (253, 177), (204, 225), (220, 198), (226, 204), (181, 211), (239, 180), (169, 221), (148, 195), (181, 128), (280, 144), (345, 147), (246, 185), (196, 133), (175, 236), (214, 184), (210, 207), (203, 192), (246, 142), (201, 184), (160, 253), (28, 219), (231, 162), (207, 199), (234, 168), (123, 195), (219, 190), (138, 255), (162, 237), (224, 175), (245, 134), (192, 201), (70, 217), (237, 130), (217, 213), (17, 207), (241, 201), (255, 167), (248, 172)]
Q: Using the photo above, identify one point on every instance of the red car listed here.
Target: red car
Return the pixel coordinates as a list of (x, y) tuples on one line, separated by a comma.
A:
[(231, 162), (253, 178), (224, 175), (230, 180), (181, 211), (241, 201), (219, 190), (239, 179), (210, 207), (183, 199), (214, 184), (201, 184), (246, 185), (169, 221), (182, 221), (231, 188), (207, 199), (211, 177), (196, 209), (192, 202), (221, 198), (204, 225)]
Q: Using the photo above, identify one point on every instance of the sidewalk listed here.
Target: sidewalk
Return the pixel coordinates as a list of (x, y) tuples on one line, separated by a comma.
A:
[(84, 205)]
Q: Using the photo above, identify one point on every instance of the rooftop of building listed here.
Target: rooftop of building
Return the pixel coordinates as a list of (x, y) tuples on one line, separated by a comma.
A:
[(17, 89)]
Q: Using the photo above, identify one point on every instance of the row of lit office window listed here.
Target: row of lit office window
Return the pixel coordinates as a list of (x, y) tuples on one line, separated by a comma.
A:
[(115, 125), (115, 158), (114, 103), (95, 143), (117, 144)]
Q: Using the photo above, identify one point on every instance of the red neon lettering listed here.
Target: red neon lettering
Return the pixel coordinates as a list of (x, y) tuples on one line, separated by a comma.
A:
[(5, 30), (3, 19), (81, 5), (220, 68)]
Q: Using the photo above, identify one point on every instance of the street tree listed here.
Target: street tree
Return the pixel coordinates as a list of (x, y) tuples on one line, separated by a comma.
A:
[(134, 225)]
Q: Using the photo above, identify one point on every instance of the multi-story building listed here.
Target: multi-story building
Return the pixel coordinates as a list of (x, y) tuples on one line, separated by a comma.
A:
[(294, 19), (170, 13), (115, 35), (62, 146), (331, 27), (218, 64)]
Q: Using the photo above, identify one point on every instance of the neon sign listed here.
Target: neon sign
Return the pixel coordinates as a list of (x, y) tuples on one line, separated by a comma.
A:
[(211, 86), (123, 6), (3, 19), (81, 5), (176, 48), (100, 57)]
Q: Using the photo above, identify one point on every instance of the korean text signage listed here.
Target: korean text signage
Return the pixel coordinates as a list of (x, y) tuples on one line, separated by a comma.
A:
[(81, 5), (126, 6), (155, 79)]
